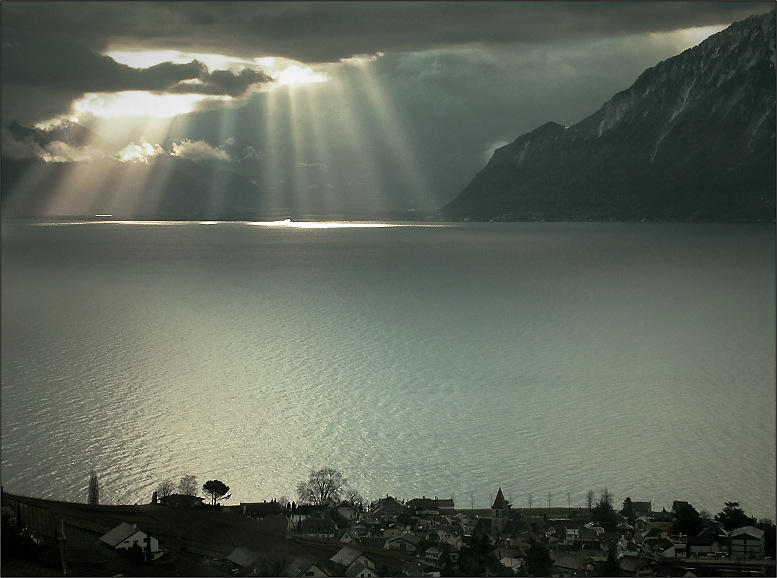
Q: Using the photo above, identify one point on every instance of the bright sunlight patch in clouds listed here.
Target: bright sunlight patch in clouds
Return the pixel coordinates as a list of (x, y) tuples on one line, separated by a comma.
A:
[(283, 70), (136, 103)]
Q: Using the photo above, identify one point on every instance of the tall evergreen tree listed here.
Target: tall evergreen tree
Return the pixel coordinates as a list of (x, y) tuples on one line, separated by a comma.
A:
[(604, 514), (628, 510)]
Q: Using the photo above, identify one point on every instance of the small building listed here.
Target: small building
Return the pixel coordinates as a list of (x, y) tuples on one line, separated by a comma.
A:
[(359, 570), (642, 508), (432, 506), (244, 558), (303, 567), (389, 509), (261, 509), (404, 543), (348, 536), (128, 537), (662, 547), (746, 543), (181, 501), (347, 511), (347, 556), (318, 527)]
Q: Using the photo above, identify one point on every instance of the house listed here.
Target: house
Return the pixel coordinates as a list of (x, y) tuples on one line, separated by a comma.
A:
[(574, 565), (746, 543), (389, 509), (347, 556), (523, 541), (662, 547), (392, 532), (348, 536), (712, 539), (243, 558), (260, 509), (367, 527), (404, 543), (300, 567), (650, 528), (347, 511), (703, 544), (636, 565), (433, 556), (129, 538), (318, 527), (181, 501), (432, 507), (359, 570), (418, 568), (513, 563), (448, 536), (440, 555), (642, 508), (307, 511)]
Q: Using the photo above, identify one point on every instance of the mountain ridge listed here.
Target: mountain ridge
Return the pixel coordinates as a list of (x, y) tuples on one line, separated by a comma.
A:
[(692, 139)]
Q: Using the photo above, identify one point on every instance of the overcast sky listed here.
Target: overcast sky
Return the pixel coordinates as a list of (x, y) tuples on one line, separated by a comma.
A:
[(399, 103)]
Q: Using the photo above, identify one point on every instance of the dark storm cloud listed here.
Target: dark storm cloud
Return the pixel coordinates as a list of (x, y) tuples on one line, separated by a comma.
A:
[(327, 31), (42, 75), (64, 65), (223, 82)]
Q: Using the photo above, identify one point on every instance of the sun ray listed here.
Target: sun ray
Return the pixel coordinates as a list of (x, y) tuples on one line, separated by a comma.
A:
[(356, 146), (391, 125), (269, 129)]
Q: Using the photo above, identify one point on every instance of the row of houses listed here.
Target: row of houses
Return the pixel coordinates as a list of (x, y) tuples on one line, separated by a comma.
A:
[(428, 534)]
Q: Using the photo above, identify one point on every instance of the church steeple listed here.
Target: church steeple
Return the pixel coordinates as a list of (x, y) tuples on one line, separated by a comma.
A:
[(500, 513), (499, 502)]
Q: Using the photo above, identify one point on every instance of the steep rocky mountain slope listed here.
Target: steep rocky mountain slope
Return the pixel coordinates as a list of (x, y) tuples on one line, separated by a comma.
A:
[(693, 139)]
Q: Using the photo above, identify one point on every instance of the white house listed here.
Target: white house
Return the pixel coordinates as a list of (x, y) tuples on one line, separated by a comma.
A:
[(126, 536)]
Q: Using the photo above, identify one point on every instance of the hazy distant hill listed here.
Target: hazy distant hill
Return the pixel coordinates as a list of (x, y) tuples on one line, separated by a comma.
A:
[(693, 139)]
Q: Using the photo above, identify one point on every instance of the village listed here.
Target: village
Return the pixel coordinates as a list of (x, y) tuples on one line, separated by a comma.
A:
[(182, 535)]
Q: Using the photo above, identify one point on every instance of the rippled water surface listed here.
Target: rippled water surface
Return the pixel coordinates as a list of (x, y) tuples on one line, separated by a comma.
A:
[(438, 360)]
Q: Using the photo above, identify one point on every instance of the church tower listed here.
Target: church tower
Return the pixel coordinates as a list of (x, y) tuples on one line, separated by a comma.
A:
[(500, 513)]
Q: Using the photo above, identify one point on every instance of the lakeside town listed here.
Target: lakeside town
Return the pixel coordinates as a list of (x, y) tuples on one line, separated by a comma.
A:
[(334, 532)]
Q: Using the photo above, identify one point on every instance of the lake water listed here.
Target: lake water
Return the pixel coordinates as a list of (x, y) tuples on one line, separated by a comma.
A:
[(417, 360)]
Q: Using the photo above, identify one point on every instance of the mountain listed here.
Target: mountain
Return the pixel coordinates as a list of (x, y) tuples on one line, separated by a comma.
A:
[(693, 139)]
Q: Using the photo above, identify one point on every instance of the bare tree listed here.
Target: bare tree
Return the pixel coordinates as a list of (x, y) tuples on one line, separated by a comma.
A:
[(529, 499), (605, 497), (356, 499), (188, 486), (549, 497), (165, 488), (569, 499), (94, 489), (322, 486), (589, 499)]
